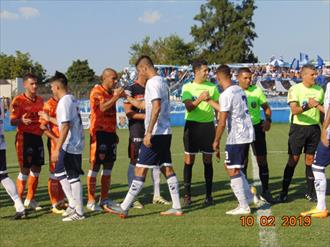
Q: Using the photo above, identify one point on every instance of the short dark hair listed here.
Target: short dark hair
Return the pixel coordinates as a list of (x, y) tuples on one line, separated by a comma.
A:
[(59, 77), (308, 66), (224, 69), (198, 64), (244, 70), (30, 76), (145, 59)]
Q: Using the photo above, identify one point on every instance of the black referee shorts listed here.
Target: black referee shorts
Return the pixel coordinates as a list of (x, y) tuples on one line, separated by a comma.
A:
[(305, 137), (259, 146)]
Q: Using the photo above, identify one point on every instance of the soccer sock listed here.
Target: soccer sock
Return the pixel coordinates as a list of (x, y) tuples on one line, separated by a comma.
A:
[(288, 174), (155, 175), (105, 183), (309, 179), (77, 194), (187, 174), (20, 184), (53, 189), (60, 191), (10, 187), (91, 185), (244, 170), (320, 187), (130, 174), (32, 185), (237, 185), (247, 188), (208, 175), (134, 190), (264, 177), (173, 186), (67, 190)]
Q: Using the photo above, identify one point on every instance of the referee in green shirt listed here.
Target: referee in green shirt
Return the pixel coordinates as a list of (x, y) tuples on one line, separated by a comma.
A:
[(200, 98), (256, 99), (305, 100)]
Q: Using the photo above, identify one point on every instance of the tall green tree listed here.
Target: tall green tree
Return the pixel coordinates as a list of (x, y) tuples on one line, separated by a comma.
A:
[(226, 32), (12, 66), (80, 77), (144, 48)]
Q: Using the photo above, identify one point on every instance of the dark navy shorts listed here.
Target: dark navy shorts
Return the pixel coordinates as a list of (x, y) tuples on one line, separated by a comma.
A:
[(236, 154), (3, 164), (159, 154), (68, 165), (321, 158)]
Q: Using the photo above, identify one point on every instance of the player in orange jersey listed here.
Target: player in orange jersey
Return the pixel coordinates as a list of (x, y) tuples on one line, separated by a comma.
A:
[(29, 146), (49, 126), (103, 137)]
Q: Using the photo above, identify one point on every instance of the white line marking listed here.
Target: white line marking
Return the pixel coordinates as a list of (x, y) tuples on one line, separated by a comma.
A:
[(267, 234)]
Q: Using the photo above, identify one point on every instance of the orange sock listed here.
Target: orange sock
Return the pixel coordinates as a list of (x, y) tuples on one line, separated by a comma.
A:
[(53, 190), (32, 185), (105, 184), (20, 184), (91, 185), (60, 192)]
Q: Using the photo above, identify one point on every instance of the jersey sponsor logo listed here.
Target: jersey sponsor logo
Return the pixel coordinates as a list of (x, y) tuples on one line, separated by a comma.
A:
[(253, 104)]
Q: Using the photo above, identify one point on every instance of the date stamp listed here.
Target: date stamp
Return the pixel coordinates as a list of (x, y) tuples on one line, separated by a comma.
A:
[(271, 221)]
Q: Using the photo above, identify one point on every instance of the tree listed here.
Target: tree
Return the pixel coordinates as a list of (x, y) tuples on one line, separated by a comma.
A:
[(145, 48), (80, 77), (226, 31), (19, 65)]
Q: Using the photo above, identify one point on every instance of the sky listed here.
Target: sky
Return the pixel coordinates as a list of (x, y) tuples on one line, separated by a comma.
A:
[(56, 32)]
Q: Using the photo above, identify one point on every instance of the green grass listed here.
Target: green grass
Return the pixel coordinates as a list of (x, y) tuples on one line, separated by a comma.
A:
[(198, 227)]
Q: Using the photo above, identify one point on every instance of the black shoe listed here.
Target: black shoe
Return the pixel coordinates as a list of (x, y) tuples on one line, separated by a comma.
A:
[(208, 201), (20, 215), (282, 198), (266, 196), (186, 201), (311, 197)]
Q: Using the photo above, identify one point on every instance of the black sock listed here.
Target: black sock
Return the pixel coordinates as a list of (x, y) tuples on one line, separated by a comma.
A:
[(187, 174), (310, 180), (288, 174), (208, 175), (244, 170), (264, 177)]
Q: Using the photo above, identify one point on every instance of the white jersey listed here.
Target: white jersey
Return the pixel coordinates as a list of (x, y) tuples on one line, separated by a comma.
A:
[(157, 88), (326, 105), (240, 129), (2, 132), (67, 111)]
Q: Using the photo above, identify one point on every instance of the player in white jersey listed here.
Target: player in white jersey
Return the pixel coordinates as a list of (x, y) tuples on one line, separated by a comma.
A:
[(234, 113), (69, 148), (6, 182), (321, 161), (155, 150)]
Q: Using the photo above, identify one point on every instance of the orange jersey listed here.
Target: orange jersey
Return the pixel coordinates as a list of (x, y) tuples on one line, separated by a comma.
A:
[(50, 109), (20, 105), (101, 121)]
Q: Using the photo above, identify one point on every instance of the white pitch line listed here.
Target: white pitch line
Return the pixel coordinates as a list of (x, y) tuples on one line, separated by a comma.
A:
[(267, 235)]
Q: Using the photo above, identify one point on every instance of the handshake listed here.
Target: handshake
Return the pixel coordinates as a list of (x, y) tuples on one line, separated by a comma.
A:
[(204, 96)]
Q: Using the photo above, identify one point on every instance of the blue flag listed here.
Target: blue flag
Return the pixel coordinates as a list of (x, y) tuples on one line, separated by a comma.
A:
[(320, 62)]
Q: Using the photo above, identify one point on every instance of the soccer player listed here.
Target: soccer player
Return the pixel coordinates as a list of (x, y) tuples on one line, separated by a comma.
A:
[(155, 149), (69, 147), (200, 98), (103, 137), (50, 129), (256, 99), (29, 146), (6, 182), (136, 133), (321, 161), (305, 100), (234, 111)]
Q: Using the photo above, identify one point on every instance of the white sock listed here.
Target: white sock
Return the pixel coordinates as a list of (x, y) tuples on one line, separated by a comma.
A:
[(10, 187), (237, 185), (77, 195), (155, 175), (173, 186), (133, 191), (320, 188), (247, 188), (130, 174), (68, 192)]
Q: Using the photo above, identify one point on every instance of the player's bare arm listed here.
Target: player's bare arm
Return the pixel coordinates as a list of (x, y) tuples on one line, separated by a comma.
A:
[(153, 119), (23, 120), (132, 114), (326, 123), (268, 116), (43, 115), (137, 103), (65, 127), (192, 104), (117, 93), (219, 131)]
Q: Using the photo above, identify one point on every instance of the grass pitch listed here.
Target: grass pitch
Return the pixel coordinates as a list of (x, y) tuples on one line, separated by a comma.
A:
[(198, 227)]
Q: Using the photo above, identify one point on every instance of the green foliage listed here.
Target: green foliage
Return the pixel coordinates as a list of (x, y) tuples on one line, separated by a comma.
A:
[(12, 66), (226, 31), (168, 50)]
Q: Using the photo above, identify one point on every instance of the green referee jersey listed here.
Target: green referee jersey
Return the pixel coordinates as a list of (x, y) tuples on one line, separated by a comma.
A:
[(255, 98), (300, 93), (204, 112)]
